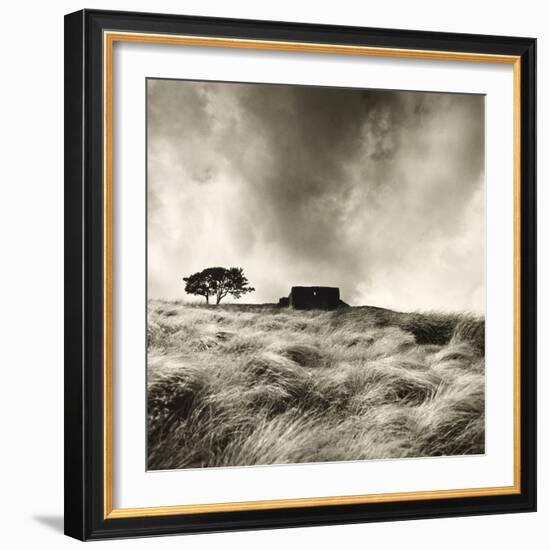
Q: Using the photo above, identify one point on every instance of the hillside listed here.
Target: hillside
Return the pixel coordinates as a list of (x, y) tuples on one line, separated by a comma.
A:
[(234, 385)]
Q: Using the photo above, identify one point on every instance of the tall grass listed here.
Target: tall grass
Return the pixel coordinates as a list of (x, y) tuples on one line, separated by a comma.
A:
[(242, 385)]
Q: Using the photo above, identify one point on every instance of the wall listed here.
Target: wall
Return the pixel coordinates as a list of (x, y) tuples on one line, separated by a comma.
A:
[(32, 279)]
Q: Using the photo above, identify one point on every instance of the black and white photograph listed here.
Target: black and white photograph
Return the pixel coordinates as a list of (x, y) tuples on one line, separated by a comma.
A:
[(299, 275), (315, 274)]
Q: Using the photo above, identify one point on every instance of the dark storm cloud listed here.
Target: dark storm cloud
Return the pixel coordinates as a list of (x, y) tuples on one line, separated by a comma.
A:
[(378, 192)]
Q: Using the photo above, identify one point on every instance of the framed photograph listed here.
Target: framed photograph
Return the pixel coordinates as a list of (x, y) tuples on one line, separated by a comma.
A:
[(300, 274)]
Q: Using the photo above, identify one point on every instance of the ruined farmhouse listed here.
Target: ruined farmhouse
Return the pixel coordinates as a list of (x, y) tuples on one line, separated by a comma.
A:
[(312, 297)]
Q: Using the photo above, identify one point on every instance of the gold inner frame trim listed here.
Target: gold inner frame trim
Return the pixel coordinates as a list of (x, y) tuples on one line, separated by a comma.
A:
[(109, 39)]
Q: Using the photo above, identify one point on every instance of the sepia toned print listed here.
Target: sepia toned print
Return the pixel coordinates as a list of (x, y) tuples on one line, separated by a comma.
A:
[(315, 274)]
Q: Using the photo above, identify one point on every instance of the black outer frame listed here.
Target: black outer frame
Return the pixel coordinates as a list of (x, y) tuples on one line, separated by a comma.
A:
[(84, 517)]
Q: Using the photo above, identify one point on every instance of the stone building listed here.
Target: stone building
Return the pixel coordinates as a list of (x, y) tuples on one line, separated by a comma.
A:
[(312, 297)]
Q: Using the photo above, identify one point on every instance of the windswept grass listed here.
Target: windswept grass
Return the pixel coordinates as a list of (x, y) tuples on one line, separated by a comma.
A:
[(241, 385)]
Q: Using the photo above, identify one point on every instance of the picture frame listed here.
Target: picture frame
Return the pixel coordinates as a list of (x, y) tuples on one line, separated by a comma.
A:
[(90, 162)]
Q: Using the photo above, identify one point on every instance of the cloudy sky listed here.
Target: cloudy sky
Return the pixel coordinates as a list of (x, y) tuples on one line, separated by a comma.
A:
[(380, 193)]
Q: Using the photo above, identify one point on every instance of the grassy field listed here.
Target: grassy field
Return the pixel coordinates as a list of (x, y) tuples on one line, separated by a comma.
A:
[(234, 385)]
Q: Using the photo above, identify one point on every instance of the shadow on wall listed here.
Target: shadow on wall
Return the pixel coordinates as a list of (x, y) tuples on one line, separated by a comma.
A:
[(55, 523)]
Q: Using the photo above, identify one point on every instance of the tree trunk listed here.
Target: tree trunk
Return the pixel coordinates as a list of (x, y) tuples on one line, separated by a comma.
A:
[(218, 300), (207, 300)]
